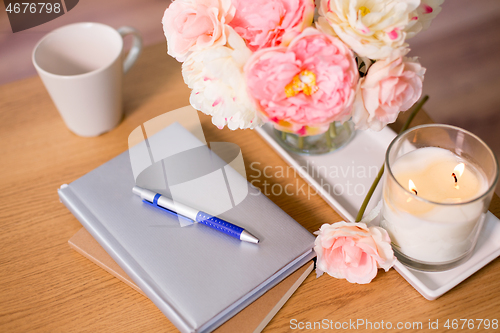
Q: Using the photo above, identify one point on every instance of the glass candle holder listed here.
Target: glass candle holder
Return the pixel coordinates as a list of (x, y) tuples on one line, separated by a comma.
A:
[(438, 185)]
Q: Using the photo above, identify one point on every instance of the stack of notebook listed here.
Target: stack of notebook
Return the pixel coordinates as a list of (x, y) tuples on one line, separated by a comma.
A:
[(198, 277), (251, 319)]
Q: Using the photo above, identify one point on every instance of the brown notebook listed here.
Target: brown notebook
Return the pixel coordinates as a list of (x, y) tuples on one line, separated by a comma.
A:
[(251, 319)]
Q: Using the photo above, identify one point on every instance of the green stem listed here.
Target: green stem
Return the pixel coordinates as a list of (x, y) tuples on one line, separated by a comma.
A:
[(417, 107), (328, 140), (300, 142), (333, 130), (369, 194), (346, 126), (283, 136)]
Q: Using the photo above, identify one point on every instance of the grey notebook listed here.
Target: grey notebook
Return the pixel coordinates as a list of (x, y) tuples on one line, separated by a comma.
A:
[(198, 277)]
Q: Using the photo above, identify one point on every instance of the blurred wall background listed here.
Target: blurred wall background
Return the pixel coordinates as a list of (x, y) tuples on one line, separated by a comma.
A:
[(459, 50)]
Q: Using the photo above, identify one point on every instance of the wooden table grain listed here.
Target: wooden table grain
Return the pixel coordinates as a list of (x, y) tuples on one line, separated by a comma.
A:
[(47, 287)]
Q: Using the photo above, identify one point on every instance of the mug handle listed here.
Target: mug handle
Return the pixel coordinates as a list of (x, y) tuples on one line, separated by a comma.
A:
[(136, 49)]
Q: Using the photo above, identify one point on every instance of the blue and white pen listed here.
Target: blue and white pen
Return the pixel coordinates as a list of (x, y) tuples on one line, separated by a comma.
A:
[(160, 201)]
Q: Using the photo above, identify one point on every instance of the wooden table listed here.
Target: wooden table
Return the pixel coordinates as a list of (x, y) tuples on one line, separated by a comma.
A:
[(46, 286)]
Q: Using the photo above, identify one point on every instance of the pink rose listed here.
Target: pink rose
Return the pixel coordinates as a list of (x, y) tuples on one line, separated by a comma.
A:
[(352, 251), (305, 86), (390, 86), (265, 23), (193, 25)]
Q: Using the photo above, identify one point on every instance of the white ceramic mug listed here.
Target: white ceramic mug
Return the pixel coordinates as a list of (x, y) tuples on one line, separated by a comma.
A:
[(82, 67)]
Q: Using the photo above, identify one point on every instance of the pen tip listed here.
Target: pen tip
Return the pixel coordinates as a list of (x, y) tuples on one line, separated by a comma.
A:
[(248, 237)]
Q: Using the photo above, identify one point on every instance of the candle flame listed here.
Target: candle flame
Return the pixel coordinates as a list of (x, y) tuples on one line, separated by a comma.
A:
[(412, 187), (459, 169), (457, 172)]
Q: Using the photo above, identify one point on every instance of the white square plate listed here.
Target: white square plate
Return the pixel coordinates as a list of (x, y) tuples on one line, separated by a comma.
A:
[(343, 178)]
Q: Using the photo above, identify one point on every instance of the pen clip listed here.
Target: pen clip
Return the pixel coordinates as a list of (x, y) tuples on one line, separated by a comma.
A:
[(155, 204)]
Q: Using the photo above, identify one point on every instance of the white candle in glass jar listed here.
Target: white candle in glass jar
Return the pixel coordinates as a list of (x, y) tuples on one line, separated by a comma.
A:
[(441, 227)]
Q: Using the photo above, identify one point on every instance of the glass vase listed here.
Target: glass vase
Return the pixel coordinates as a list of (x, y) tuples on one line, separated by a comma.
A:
[(336, 137)]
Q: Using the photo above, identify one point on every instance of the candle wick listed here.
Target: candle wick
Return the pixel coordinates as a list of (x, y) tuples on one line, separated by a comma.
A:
[(414, 191), (456, 180)]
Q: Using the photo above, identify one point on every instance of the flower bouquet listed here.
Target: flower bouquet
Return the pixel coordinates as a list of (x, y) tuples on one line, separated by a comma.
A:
[(249, 62)]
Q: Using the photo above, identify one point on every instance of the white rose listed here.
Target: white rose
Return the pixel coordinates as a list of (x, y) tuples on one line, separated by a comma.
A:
[(421, 18), (372, 28), (216, 78)]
